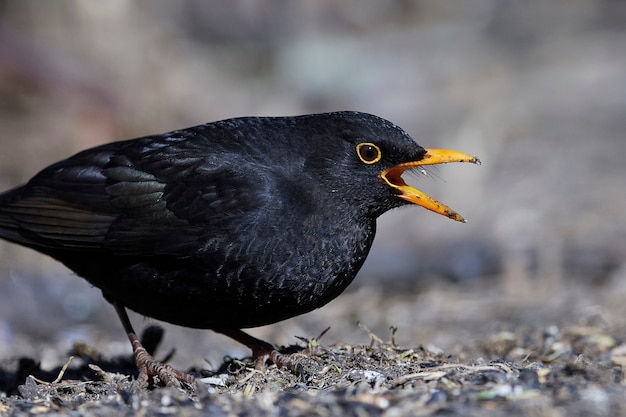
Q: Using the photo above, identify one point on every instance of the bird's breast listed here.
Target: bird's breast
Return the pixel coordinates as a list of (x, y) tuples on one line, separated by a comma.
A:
[(291, 274), (263, 280), (254, 277)]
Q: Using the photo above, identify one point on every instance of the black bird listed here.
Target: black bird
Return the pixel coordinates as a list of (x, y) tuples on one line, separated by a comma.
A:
[(227, 225)]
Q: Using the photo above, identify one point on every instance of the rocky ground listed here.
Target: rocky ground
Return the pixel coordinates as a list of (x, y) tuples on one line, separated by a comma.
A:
[(519, 354), (373, 379), (518, 312)]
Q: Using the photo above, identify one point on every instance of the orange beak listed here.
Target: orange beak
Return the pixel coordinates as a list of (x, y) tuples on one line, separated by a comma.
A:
[(393, 178)]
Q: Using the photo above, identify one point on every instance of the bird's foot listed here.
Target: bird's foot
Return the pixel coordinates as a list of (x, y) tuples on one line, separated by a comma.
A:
[(263, 352), (149, 368), (291, 361)]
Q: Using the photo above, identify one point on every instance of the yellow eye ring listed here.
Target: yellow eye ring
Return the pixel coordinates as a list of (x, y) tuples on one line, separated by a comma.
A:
[(368, 153)]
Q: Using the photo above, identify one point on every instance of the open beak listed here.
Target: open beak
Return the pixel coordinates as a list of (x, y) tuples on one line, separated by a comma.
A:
[(393, 178)]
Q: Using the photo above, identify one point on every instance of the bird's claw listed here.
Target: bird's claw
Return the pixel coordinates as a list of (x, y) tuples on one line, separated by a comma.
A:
[(149, 368), (290, 361)]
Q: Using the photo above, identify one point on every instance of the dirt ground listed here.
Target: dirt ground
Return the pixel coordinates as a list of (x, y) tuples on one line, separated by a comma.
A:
[(518, 312), (567, 363)]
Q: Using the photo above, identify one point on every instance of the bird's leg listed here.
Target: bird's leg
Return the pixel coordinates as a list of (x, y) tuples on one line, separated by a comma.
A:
[(262, 352), (147, 366)]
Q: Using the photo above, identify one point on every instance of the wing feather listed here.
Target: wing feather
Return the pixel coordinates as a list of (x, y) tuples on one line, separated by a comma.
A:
[(154, 195)]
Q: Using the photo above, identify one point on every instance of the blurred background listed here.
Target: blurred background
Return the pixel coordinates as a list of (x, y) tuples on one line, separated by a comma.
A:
[(536, 89)]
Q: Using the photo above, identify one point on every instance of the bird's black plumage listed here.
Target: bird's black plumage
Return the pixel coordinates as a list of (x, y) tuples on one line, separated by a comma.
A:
[(227, 225)]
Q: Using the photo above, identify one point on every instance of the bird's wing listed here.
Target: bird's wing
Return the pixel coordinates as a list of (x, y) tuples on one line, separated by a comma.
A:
[(131, 198)]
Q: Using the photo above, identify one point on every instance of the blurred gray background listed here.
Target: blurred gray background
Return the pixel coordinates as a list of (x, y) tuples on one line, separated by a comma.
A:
[(536, 89)]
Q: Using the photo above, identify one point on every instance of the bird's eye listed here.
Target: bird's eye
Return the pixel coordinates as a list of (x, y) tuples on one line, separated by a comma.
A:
[(368, 153)]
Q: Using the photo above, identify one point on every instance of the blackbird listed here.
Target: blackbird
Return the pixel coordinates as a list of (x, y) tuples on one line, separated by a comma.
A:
[(226, 225)]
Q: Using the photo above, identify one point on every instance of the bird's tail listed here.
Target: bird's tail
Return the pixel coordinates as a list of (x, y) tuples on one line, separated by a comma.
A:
[(9, 228)]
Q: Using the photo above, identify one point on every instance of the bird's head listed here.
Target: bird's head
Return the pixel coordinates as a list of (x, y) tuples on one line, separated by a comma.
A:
[(374, 155)]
